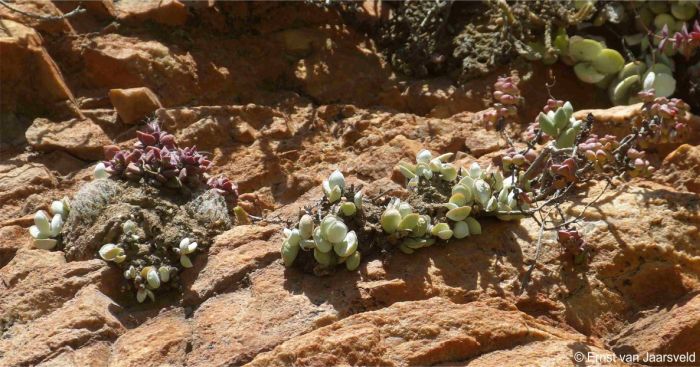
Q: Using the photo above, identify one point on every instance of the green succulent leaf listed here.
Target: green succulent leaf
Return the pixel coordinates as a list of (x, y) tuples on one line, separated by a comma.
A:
[(547, 125), (608, 61), (567, 138)]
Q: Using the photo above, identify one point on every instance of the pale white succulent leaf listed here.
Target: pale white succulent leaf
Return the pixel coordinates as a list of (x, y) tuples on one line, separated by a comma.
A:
[(56, 224), (185, 261)]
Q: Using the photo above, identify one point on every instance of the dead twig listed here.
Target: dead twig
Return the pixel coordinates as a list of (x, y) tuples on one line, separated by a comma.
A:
[(76, 11)]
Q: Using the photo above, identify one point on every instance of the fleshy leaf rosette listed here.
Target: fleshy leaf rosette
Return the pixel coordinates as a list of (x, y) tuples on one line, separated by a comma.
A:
[(159, 161)]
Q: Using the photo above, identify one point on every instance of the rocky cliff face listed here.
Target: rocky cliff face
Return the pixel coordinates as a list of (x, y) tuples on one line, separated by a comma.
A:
[(281, 94)]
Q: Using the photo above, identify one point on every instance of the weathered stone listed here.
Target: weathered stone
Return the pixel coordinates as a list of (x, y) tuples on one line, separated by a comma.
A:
[(233, 255), (168, 12), (115, 61), (672, 330), (14, 238), (18, 182), (416, 333), (232, 328), (279, 106), (93, 355), (161, 341), (85, 319), (37, 282), (681, 168), (547, 353), (134, 104), (38, 7), (316, 73), (28, 71), (83, 138)]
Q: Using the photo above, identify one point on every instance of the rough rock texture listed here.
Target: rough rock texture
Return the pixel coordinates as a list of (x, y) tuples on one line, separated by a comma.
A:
[(168, 12), (29, 72), (83, 138), (672, 329), (133, 104), (36, 282), (161, 341), (281, 94), (679, 168), (417, 333), (85, 319)]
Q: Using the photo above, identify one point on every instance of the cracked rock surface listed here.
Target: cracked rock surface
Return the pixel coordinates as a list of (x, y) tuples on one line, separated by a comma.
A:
[(281, 94)]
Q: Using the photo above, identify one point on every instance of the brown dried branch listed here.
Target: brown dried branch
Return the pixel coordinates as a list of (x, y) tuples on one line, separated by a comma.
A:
[(76, 11)]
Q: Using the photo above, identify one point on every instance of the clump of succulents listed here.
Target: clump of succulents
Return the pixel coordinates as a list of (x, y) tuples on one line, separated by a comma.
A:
[(600, 152), (47, 229), (336, 236), (593, 62), (157, 160), (147, 268), (330, 240), (428, 167), (506, 98), (655, 79), (446, 201), (667, 23), (664, 120), (560, 125)]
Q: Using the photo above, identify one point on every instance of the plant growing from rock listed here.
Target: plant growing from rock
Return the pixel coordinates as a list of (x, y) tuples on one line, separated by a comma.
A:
[(655, 79), (149, 211), (157, 160), (446, 202), (46, 230), (506, 97), (344, 224), (327, 235), (556, 170)]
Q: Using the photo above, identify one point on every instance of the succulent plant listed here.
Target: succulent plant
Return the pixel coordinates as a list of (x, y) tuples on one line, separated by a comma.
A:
[(506, 97), (100, 171), (446, 201), (655, 79), (667, 119), (426, 166), (185, 248), (594, 63), (331, 241), (224, 187), (667, 24), (334, 186), (561, 125), (112, 252), (157, 159), (47, 228), (573, 243), (150, 258), (685, 42)]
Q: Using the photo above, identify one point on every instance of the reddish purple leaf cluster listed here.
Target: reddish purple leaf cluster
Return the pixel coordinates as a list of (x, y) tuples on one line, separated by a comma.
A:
[(158, 160), (521, 160), (563, 173), (225, 187), (507, 96), (572, 241), (667, 119), (685, 42)]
